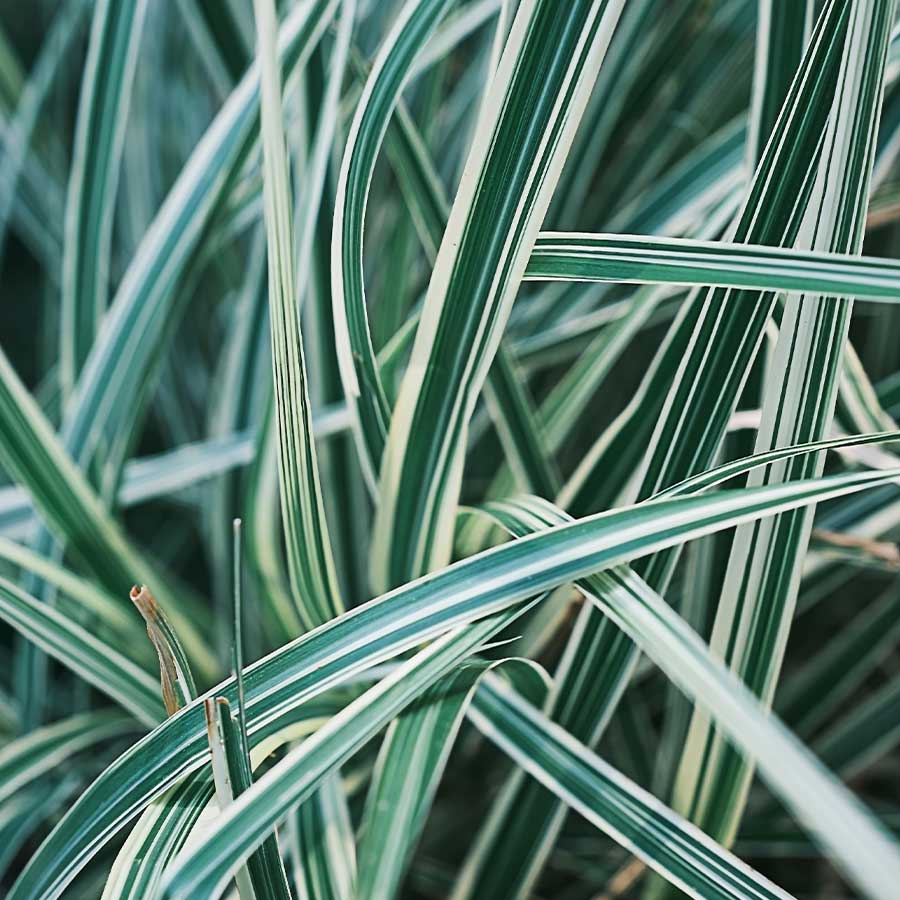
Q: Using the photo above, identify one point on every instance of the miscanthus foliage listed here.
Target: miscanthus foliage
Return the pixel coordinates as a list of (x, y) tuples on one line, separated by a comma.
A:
[(448, 448)]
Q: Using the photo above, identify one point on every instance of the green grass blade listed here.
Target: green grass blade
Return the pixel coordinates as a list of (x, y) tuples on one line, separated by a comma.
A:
[(310, 561), (19, 130), (608, 800), (422, 467), (156, 837), (356, 356), (281, 683), (753, 618), (38, 753), (827, 809), (94, 175), (263, 876), (652, 260), (324, 842), (409, 768), (594, 670), (167, 823), (207, 866), (92, 659), (824, 684)]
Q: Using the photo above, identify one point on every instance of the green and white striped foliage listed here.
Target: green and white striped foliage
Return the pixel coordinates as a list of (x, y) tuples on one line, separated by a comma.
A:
[(757, 604)]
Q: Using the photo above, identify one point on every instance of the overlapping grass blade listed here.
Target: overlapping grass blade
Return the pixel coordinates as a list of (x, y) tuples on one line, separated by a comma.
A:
[(827, 809), (38, 753), (634, 818), (263, 876), (409, 768), (19, 127), (202, 870), (283, 682), (325, 844), (115, 371), (690, 418), (95, 661), (654, 188), (94, 176), (757, 605), (359, 369), (310, 561), (421, 470)]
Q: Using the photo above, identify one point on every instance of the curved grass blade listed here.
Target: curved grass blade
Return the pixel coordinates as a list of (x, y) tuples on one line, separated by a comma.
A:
[(828, 810), (410, 764), (484, 584), (511, 847), (759, 595), (548, 66), (92, 659), (38, 753), (94, 175), (310, 560), (356, 355), (203, 870), (738, 467)]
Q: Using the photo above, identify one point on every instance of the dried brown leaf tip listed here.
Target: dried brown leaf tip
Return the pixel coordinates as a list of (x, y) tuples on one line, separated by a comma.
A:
[(144, 601), (883, 551), (171, 672)]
